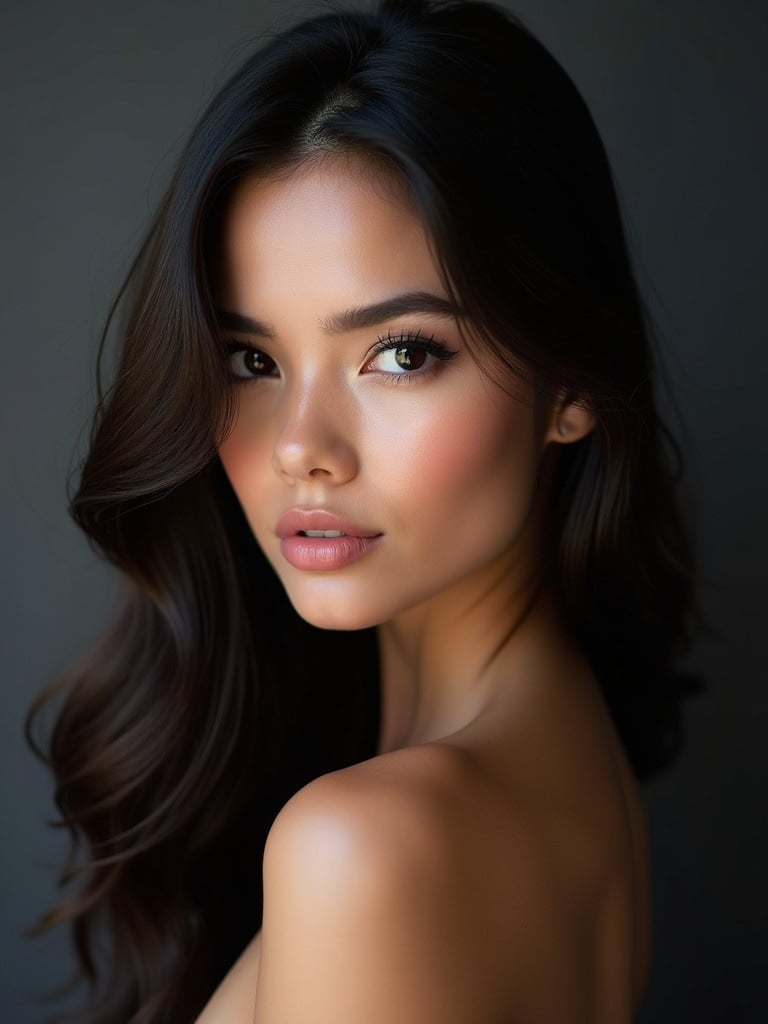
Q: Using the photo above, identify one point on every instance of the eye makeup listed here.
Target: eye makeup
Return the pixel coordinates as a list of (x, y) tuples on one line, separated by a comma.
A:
[(410, 351)]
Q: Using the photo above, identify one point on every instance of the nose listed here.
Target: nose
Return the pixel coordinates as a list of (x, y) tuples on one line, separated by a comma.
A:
[(315, 440)]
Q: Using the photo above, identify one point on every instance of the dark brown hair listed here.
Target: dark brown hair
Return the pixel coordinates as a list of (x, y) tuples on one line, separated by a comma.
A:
[(181, 735)]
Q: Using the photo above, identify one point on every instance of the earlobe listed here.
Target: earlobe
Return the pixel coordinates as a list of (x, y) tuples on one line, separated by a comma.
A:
[(572, 419)]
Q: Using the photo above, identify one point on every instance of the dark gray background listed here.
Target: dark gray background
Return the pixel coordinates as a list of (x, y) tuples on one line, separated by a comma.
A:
[(97, 99)]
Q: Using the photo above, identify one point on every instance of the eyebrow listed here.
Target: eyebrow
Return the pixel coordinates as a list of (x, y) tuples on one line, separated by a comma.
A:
[(354, 319)]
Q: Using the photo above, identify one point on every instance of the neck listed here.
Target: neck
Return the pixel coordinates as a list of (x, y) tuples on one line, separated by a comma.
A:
[(445, 662)]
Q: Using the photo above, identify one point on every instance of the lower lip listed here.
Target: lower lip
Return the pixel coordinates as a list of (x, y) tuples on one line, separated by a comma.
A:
[(325, 553)]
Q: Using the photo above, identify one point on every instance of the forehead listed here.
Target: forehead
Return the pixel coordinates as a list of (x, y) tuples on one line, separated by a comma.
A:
[(336, 224)]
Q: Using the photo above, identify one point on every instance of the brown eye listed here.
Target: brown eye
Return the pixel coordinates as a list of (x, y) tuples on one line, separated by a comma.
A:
[(246, 362), (410, 357)]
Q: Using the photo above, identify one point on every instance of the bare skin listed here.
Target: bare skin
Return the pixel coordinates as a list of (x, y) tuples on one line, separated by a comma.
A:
[(489, 864), (550, 767)]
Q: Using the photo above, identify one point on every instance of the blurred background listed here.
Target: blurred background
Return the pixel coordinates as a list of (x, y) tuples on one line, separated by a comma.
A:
[(97, 100)]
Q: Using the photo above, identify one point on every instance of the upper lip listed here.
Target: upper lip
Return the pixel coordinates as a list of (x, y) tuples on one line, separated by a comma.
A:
[(296, 520)]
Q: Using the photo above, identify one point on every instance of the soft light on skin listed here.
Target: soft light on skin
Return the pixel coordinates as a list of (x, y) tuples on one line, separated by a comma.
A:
[(444, 465)]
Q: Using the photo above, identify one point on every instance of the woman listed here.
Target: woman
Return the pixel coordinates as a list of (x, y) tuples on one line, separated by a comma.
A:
[(405, 574)]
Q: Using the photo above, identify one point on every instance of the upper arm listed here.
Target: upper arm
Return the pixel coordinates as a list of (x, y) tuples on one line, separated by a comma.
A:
[(362, 918)]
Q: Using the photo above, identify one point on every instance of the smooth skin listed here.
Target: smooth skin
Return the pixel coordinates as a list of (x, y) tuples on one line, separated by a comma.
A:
[(489, 864)]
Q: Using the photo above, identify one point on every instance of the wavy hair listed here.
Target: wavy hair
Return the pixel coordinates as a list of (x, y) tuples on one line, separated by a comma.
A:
[(209, 701)]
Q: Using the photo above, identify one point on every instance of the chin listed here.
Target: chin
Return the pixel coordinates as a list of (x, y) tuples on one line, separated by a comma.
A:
[(334, 611)]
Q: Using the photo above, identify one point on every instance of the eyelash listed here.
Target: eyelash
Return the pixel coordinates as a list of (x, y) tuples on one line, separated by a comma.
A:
[(389, 341), (435, 348)]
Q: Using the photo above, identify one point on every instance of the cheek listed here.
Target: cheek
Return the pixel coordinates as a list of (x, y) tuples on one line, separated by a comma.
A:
[(233, 453), (469, 458), (241, 456)]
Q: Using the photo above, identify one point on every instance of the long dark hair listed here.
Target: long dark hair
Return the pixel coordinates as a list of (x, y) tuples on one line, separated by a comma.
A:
[(196, 717)]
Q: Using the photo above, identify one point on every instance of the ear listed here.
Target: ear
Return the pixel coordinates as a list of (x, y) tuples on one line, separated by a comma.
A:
[(570, 420)]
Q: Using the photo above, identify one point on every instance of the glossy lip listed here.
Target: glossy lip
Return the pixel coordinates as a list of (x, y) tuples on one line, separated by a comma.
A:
[(295, 520), (322, 554)]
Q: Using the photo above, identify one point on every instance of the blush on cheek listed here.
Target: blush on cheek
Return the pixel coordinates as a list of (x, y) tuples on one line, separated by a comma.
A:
[(232, 454), (467, 449), (239, 460), (469, 484)]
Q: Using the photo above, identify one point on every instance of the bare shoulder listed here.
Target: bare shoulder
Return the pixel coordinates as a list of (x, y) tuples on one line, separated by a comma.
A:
[(381, 895), (417, 887), (369, 828), (404, 811), (363, 798)]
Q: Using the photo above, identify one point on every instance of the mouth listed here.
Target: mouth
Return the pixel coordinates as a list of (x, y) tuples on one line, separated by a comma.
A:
[(320, 523), (318, 540), (321, 533), (326, 550)]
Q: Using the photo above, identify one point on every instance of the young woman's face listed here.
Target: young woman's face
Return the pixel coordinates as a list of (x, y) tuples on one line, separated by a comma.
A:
[(360, 410)]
